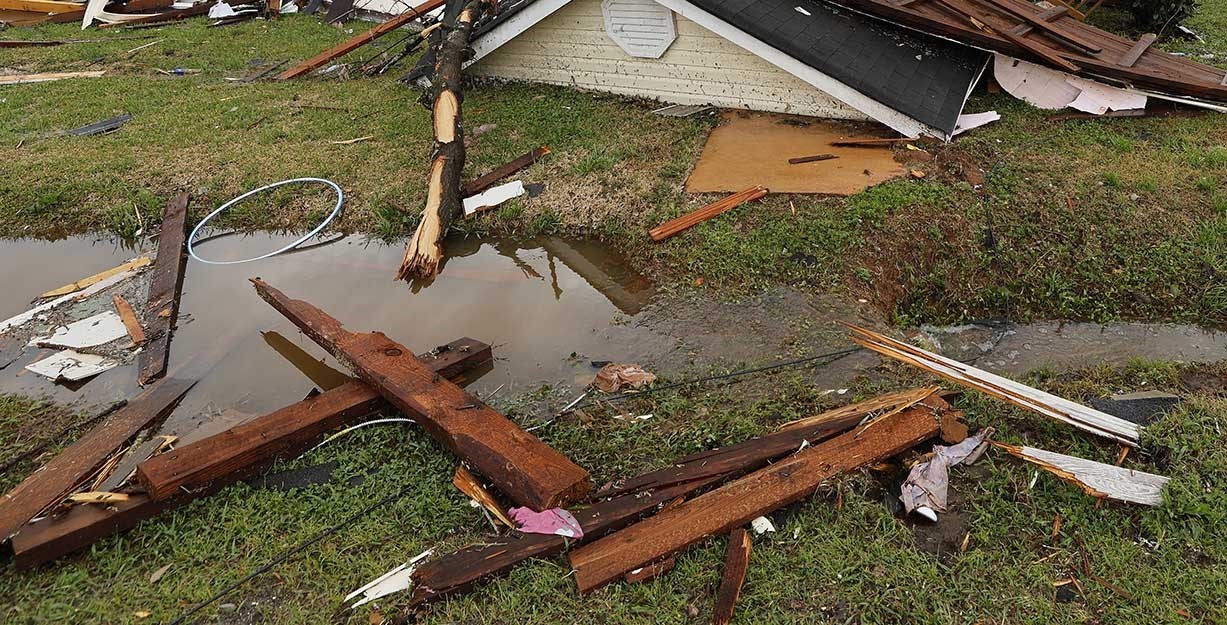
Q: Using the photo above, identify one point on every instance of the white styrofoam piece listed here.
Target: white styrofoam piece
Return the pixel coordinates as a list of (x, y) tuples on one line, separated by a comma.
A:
[(493, 197), (762, 525), (71, 366), (100, 329)]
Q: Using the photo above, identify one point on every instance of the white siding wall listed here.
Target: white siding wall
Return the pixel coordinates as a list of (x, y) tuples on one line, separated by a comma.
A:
[(572, 48)]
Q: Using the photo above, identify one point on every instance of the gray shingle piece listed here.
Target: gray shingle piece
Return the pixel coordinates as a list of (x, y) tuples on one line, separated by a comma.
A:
[(865, 54)]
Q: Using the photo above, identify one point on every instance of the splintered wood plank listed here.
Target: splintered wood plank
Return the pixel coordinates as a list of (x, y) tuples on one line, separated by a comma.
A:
[(467, 483), (1143, 44), (82, 526), (360, 40), (1096, 478), (740, 501), (736, 564), (78, 461), (129, 318), (523, 468), (485, 181), (283, 433), (165, 288), (700, 215), (135, 263), (496, 555)]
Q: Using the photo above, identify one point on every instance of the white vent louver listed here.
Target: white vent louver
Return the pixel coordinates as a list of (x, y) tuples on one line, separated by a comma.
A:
[(642, 28)]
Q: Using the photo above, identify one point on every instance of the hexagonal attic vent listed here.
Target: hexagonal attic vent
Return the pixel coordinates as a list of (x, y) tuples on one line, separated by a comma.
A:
[(642, 28)]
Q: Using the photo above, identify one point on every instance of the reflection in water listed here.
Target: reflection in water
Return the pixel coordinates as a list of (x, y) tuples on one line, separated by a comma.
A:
[(536, 301)]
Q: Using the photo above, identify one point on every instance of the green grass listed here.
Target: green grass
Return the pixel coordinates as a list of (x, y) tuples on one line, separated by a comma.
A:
[(1098, 220), (826, 564)]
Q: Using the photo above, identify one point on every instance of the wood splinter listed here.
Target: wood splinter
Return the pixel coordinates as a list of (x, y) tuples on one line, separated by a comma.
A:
[(736, 563)]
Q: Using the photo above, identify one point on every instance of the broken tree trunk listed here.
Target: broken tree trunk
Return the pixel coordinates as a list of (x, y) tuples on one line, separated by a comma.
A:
[(244, 451), (165, 288), (73, 466), (523, 468), (443, 199), (736, 563), (763, 491)]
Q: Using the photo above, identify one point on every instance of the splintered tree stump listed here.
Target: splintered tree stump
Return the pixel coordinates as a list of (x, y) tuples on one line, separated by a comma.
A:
[(443, 196)]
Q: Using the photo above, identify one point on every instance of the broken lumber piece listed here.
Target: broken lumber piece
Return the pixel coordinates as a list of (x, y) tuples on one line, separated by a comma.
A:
[(872, 143), (468, 484), (50, 484), (1021, 395), (82, 526), (494, 556), (83, 283), (128, 316), (736, 564), (523, 468), (165, 289), (443, 198), (811, 159), (485, 181), (738, 502), (286, 432), (691, 219), (358, 41), (1097, 479)]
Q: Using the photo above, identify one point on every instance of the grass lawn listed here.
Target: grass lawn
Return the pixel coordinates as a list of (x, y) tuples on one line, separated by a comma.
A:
[(1094, 220)]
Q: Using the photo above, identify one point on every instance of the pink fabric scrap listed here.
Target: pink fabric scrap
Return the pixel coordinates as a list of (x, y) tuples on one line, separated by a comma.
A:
[(555, 521)]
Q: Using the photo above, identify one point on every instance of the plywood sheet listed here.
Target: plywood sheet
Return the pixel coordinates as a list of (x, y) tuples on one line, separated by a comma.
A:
[(750, 149)]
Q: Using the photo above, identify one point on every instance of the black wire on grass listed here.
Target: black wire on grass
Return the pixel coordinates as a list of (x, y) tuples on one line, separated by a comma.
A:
[(829, 358), (290, 553)]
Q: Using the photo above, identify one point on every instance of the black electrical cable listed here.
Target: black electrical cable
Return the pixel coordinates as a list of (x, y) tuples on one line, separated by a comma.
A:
[(829, 357), (288, 554)]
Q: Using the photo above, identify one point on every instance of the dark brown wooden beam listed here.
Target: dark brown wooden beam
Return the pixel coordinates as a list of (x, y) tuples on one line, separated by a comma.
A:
[(736, 564), (1143, 44), (82, 526), (523, 468), (165, 288), (50, 484), (1053, 31), (485, 181), (761, 492), (283, 433)]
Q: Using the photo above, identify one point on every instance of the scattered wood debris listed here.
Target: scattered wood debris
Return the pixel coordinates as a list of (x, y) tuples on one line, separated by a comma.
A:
[(128, 316), (1096, 478), (689, 220), (487, 180), (1021, 395), (736, 564)]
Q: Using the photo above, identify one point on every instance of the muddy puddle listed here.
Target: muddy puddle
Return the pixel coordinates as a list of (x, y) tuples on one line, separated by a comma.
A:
[(549, 306)]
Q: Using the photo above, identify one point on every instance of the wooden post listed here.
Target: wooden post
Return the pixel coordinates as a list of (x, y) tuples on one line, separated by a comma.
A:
[(443, 201), (523, 468), (736, 564), (165, 288)]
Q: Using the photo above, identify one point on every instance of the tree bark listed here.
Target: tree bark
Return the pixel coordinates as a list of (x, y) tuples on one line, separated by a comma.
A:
[(443, 201)]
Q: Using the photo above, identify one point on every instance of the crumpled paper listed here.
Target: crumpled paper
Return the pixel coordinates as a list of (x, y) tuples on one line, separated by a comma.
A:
[(616, 376), (552, 522), (925, 489)]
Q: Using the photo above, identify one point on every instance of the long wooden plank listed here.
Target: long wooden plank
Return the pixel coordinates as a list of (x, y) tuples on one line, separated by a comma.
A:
[(738, 502), (282, 433), (49, 485), (135, 263), (699, 215), (39, 6), (1144, 42), (523, 468), (974, 18), (82, 526), (350, 45), (483, 182), (1054, 31), (165, 287), (736, 564)]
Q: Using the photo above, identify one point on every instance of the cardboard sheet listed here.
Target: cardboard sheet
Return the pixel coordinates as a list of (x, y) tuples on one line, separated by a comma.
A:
[(750, 149)]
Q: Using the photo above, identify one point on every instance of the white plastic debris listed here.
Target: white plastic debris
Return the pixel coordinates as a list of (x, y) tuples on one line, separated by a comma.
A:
[(924, 490), (100, 329), (971, 121), (762, 525), (220, 10), (396, 580), (71, 366), (1052, 89), (26, 316), (493, 196)]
